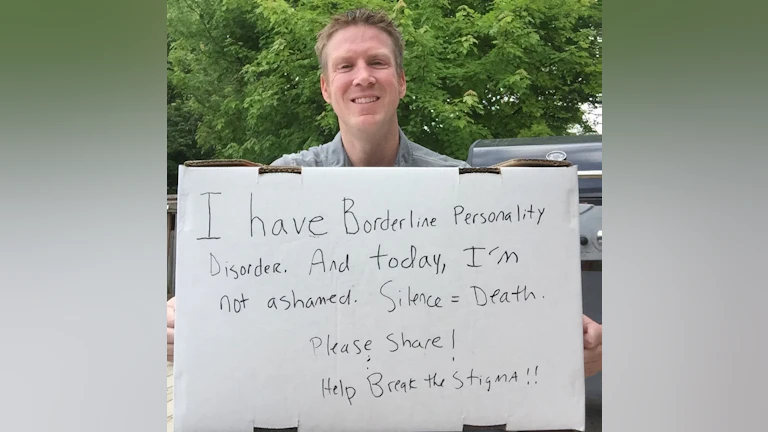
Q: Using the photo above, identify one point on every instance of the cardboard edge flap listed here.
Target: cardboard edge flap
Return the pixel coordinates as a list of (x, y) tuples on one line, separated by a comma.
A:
[(222, 163), (542, 163), (263, 169), (491, 170), (267, 169)]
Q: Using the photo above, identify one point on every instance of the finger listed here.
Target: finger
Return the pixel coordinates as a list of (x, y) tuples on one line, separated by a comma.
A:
[(593, 336), (170, 334), (170, 317), (170, 323), (593, 361)]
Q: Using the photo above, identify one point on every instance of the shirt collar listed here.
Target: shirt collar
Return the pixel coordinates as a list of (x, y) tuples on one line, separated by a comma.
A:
[(340, 158)]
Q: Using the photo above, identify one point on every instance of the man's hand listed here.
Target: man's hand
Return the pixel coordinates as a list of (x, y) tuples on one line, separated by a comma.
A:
[(171, 324), (593, 347)]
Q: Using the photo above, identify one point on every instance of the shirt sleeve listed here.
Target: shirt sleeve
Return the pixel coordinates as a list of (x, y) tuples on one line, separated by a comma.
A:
[(285, 160)]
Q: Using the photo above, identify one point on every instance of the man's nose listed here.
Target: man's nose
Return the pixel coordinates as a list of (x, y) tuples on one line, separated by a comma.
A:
[(364, 76)]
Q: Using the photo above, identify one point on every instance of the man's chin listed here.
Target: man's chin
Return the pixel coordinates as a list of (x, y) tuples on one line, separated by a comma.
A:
[(372, 123)]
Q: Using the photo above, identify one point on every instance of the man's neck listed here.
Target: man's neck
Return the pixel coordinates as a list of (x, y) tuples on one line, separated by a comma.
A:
[(375, 149)]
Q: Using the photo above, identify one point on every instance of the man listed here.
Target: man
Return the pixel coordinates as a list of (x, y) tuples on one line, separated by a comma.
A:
[(363, 79), (361, 56)]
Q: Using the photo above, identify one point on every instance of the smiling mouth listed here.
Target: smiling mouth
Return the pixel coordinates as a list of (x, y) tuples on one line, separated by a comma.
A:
[(365, 100)]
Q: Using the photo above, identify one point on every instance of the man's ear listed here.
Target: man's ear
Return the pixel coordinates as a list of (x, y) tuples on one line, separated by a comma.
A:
[(403, 85), (324, 88)]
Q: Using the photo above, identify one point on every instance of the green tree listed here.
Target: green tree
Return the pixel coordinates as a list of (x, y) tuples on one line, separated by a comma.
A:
[(181, 131), (475, 69)]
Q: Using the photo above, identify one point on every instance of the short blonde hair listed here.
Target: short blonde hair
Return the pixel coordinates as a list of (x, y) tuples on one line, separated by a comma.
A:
[(363, 17)]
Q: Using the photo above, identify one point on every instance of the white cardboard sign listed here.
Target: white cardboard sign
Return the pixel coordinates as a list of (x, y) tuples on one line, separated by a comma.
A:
[(378, 299)]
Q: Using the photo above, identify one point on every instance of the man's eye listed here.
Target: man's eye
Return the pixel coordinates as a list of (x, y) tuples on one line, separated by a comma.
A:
[(345, 66)]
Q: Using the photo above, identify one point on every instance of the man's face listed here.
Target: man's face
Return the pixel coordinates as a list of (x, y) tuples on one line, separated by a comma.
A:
[(361, 81)]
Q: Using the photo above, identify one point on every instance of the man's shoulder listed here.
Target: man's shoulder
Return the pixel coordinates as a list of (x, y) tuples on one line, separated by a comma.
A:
[(424, 157), (317, 156)]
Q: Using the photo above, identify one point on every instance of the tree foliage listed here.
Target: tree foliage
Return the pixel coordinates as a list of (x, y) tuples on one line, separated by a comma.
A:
[(248, 80)]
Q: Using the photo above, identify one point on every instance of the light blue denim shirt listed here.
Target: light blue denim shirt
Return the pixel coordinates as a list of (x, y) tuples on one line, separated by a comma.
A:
[(332, 154)]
